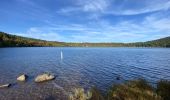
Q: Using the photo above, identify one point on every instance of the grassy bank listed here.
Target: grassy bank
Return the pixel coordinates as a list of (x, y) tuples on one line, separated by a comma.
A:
[(132, 90)]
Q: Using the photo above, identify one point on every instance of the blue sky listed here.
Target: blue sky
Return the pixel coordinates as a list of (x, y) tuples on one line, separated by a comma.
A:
[(86, 20)]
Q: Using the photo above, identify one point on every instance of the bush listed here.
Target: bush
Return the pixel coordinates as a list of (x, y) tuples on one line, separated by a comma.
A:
[(133, 90), (80, 94), (163, 89), (96, 94), (130, 90)]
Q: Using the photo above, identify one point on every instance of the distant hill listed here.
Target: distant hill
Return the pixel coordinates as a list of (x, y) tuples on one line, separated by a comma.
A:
[(8, 40), (163, 42)]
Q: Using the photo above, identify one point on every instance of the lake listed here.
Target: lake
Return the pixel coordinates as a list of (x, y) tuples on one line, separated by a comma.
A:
[(80, 67)]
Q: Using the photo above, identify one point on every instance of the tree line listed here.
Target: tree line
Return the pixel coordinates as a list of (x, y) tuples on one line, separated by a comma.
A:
[(8, 40)]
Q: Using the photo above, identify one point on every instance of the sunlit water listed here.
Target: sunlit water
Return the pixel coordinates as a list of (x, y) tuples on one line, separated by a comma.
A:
[(80, 67)]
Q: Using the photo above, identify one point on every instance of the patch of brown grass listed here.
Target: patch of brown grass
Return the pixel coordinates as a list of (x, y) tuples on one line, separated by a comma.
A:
[(133, 90)]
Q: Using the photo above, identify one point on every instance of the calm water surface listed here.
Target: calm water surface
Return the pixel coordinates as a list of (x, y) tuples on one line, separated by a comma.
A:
[(80, 67)]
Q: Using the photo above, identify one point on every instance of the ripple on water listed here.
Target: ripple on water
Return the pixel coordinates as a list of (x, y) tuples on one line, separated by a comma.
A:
[(80, 67)]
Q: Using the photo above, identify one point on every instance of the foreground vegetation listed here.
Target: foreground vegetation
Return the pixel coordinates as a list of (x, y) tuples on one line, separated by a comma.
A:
[(7, 40), (131, 90)]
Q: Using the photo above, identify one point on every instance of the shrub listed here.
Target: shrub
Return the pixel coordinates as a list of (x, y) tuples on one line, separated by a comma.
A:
[(133, 90), (163, 89), (80, 94), (130, 90), (96, 94)]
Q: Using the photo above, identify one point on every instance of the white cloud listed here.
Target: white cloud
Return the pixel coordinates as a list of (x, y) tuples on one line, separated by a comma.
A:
[(39, 33), (95, 5), (151, 27), (147, 7), (86, 6), (161, 24), (123, 8)]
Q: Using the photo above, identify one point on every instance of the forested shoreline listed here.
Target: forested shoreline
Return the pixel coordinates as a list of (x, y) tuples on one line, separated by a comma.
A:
[(8, 40)]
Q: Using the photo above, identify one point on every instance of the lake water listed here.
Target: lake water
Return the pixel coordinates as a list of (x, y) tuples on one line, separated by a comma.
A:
[(80, 67)]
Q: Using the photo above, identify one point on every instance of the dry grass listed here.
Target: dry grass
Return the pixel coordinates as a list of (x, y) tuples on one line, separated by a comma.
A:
[(133, 90), (80, 94), (163, 89)]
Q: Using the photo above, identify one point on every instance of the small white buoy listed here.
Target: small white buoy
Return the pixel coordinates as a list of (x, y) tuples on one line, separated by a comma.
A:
[(61, 55)]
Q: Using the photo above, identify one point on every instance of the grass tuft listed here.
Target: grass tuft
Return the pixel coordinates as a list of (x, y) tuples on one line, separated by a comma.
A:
[(163, 89), (133, 90), (80, 94)]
